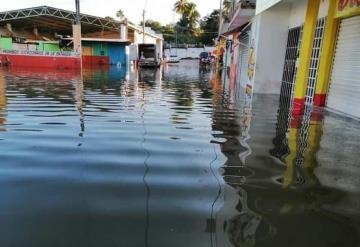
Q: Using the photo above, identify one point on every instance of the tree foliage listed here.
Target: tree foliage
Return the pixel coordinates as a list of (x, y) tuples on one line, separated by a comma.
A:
[(209, 27), (180, 6), (189, 29), (120, 14)]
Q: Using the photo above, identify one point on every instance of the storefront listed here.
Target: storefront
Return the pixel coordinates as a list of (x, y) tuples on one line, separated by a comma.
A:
[(344, 76)]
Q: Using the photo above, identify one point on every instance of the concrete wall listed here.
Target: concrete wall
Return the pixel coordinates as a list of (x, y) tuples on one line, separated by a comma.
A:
[(187, 53), (271, 48), (138, 39), (298, 12)]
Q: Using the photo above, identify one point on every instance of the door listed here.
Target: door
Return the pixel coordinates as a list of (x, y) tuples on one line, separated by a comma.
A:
[(344, 92), (117, 54)]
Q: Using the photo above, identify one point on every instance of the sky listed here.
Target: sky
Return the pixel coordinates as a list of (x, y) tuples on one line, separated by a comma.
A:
[(160, 10)]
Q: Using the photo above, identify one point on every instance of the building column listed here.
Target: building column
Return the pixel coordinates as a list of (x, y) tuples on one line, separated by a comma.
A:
[(305, 56), (77, 38), (124, 32), (326, 56)]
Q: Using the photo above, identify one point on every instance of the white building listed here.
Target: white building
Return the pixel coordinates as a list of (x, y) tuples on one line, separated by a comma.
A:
[(309, 48)]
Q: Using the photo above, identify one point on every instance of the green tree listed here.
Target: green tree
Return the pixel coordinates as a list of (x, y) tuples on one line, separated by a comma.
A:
[(209, 26), (189, 20), (192, 14), (120, 14), (155, 25), (180, 6)]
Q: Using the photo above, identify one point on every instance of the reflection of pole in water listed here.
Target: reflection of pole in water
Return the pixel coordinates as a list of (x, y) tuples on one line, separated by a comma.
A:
[(79, 101), (3, 101), (240, 223), (147, 169)]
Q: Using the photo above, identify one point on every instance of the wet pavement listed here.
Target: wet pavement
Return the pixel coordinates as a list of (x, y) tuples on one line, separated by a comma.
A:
[(171, 157)]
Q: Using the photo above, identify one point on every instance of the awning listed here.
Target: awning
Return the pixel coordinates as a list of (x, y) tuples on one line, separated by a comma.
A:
[(241, 18)]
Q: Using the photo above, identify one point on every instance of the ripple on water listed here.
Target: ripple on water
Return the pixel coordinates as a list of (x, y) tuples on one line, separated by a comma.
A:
[(175, 161)]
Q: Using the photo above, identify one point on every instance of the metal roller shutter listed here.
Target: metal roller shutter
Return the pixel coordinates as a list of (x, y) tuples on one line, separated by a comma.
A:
[(244, 58), (344, 93)]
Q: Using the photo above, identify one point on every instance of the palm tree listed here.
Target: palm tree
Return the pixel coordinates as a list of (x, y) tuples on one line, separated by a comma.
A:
[(120, 14), (180, 6), (192, 14)]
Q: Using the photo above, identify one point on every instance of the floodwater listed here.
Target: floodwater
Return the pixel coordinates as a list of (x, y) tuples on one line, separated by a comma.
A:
[(170, 157)]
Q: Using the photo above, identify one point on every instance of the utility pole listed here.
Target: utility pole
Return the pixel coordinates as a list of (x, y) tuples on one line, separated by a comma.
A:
[(77, 3), (143, 27), (77, 29), (220, 18)]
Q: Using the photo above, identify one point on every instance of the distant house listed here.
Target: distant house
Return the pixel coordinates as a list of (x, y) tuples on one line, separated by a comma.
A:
[(48, 31)]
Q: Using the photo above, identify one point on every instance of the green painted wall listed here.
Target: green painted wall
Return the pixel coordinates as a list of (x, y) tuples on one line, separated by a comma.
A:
[(51, 47), (5, 43), (99, 49), (43, 46)]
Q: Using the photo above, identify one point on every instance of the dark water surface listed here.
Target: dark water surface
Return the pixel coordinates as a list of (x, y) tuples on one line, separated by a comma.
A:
[(169, 158)]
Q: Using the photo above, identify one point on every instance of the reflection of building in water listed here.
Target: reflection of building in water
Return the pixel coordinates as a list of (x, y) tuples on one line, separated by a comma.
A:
[(236, 223), (254, 208), (150, 75), (296, 144), (3, 101)]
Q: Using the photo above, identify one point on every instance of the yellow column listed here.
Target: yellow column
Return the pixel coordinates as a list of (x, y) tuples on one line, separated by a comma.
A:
[(305, 55), (290, 160), (326, 55), (313, 146)]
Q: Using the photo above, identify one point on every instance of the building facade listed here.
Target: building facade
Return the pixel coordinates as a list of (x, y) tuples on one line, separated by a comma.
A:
[(308, 48), (45, 36)]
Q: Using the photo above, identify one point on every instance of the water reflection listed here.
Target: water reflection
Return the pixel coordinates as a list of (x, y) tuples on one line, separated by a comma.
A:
[(3, 101), (173, 156), (266, 212)]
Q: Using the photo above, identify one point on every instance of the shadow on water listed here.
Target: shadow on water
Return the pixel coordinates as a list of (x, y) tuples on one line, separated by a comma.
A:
[(172, 156)]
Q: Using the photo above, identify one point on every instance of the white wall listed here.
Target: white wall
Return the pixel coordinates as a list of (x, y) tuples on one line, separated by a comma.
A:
[(188, 53), (324, 6), (262, 5), (298, 12), (138, 39), (271, 48)]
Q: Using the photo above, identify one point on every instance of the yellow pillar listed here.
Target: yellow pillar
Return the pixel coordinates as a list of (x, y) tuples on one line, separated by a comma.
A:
[(326, 55), (313, 146), (290, 160), (305, 55)]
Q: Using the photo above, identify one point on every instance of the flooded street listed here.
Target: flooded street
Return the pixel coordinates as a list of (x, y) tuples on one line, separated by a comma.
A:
[(171, 157)]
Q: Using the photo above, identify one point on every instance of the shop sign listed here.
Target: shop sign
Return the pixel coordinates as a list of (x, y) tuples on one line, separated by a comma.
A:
[(347, 8)]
